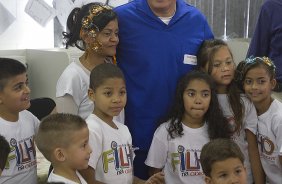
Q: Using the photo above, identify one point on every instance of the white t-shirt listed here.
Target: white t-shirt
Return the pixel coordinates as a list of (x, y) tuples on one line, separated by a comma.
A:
[(75, 81), (21, 163), (180, 157), (112, 156), (57, 178), (270, 140), (250, 121)]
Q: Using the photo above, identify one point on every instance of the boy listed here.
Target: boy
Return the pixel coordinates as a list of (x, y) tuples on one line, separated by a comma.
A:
[(4, 152), (223, 162), (111, 162), (17, 125), (63, 140)]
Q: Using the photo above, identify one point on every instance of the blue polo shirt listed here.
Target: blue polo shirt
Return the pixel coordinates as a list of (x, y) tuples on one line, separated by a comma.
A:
[(152, 56), (267, 39)]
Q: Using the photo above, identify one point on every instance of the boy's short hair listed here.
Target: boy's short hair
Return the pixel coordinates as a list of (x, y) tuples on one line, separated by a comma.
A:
[(9, 68), (219, 150), (55, 131), (102, 72), (4, 151)]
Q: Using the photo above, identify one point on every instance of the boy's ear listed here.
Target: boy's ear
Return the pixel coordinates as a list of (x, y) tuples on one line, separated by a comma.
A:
[(91, 94), (208, 180), (60, 154), (273, 83)]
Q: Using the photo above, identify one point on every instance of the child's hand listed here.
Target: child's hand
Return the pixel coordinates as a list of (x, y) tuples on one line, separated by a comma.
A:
[(157, 178)]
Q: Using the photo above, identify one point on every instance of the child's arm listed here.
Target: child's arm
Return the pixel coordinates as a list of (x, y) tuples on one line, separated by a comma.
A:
[(89, 175), (258, 173)]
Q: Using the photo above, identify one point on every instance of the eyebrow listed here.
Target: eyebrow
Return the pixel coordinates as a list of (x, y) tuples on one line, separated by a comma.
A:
[(205, 90)]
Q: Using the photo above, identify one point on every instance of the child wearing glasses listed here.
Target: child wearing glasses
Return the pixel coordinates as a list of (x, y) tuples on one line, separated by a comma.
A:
[(258, 80)]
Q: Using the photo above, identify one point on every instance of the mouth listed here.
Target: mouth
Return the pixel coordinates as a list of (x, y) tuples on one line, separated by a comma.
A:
[(116, 109)]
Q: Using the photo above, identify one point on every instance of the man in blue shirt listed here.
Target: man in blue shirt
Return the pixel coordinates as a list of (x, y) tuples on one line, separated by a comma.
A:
[(158, 44), (267, 39)]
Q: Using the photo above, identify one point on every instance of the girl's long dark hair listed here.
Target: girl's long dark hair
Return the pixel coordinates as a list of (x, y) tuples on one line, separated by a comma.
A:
[(205, 57), (217, 123)]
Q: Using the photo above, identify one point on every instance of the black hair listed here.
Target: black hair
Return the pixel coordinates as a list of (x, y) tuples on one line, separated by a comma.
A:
[(4, 151), (9, 68), (205, 56), (217, 123), (219, 150), (74, 23), (103, 72), (250, 63)]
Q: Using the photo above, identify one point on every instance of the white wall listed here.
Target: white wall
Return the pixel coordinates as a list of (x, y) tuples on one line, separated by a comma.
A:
[(25, 32)]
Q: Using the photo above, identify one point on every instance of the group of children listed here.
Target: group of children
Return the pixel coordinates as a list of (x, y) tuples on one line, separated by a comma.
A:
[(215, 132)]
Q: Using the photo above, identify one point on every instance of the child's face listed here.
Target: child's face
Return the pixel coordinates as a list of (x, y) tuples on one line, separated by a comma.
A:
[(196, 98), (109, 98), (15, 95), (258, 85), (78, 151), (228, 171), (223, 67)]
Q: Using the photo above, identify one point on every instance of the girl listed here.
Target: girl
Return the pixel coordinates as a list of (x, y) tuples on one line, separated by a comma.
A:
[(112, 157), (258, 79), (195, 118), (93, 28), (215, 58)]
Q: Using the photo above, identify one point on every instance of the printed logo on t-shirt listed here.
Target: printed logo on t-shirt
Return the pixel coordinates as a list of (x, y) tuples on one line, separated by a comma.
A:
[(187, 161), (24, 153), (121, 156), (266, 147)]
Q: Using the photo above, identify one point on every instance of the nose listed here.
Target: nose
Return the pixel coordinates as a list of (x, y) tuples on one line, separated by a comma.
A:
[(89, 149), (116, 99), (198, 99), (254, 85), (234, 179), (26, 89), (225, 67), (114, 38)]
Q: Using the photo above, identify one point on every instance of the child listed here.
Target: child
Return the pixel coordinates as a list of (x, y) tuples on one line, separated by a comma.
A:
[(215, 58), (223, 162), (111, 162), (17, 125), (195, 118), (258, 79), (63, 140), (4, 152)]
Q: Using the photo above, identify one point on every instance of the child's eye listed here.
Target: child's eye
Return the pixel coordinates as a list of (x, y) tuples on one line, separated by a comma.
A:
[(205, 94), (223, 175), (122, 93), (261, 81), (248, 81), (229, 62), (216, 65), (191, 94), (238, 171), (108, 93)]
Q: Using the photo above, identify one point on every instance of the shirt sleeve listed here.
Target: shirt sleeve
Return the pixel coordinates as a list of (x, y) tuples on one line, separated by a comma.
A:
[(251, 118), (159, 148), (95, 142), (66, 104), (277, 131)]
